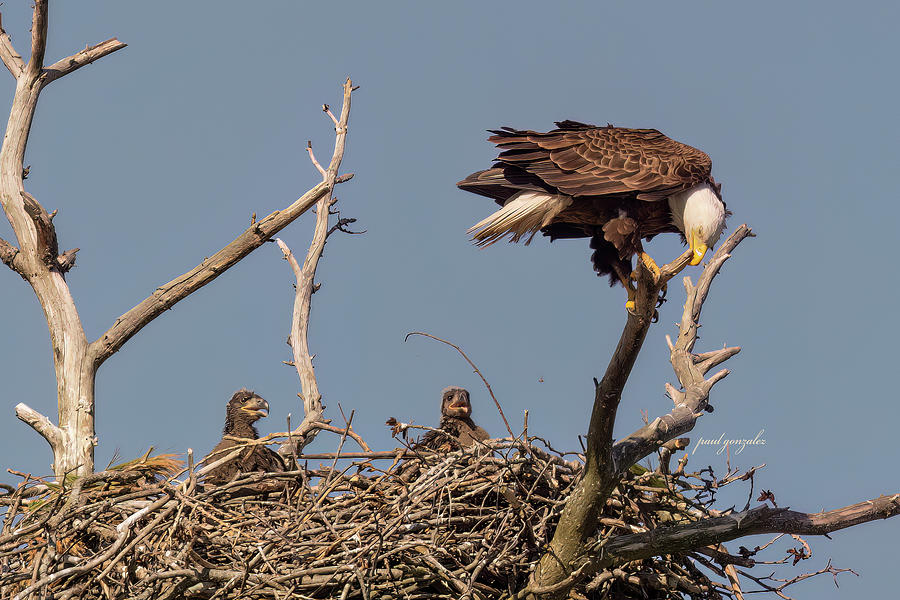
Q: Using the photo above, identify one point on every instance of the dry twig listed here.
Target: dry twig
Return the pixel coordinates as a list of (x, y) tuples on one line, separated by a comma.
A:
[(477, 371), (471, 523)]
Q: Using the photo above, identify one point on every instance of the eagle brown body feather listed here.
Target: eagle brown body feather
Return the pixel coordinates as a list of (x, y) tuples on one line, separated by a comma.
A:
[(618, 180), (242, 411)]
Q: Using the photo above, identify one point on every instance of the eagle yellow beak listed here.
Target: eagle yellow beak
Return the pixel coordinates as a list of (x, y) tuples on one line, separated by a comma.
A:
[(698, 247)]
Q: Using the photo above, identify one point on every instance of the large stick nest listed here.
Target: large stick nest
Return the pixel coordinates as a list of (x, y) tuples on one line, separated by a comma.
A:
[(465, 524)]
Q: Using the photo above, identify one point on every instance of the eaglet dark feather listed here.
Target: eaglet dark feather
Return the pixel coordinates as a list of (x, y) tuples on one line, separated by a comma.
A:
[(456, 429), (242, 411)]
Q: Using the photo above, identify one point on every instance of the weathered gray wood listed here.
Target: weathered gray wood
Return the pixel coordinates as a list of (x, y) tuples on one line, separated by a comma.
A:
[(683, 538), (73, 440), (689, 368), (305, 287), (38, 261), (604, 461), (168, 294), (9, 56)]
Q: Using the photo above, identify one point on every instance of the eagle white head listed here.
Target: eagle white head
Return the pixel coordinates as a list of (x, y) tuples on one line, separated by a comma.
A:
[(700, 215)]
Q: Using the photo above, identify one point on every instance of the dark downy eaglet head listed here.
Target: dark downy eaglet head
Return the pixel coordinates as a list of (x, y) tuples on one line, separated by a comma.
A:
[(455, 402)]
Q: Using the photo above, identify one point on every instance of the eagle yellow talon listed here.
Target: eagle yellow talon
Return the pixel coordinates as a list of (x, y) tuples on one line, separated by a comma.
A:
[(650, 264), (630, 304), (629, 289)]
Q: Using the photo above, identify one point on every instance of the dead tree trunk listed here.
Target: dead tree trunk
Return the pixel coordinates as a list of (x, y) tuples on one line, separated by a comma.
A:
[(37, 259)]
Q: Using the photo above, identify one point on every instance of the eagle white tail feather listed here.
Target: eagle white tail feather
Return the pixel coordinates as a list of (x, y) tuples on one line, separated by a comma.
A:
[(523, 214)]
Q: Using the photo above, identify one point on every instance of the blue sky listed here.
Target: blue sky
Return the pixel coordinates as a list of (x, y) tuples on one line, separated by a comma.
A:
[(157, 155)]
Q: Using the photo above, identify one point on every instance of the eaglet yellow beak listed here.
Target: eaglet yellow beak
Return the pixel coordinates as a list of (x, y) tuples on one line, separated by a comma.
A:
[(697, 246)]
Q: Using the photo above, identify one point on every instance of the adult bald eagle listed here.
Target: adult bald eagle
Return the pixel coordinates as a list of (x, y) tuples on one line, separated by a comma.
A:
[(457, 429), (614, 185), (242, 411)]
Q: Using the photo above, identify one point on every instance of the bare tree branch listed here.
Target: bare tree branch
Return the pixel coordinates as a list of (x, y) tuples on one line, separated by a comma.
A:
[(312, 158), (683, 538), (477, 372), (9, 255), (38, 38), (41, 424), (604, 461), (305, 285), (9, 56), (312, 399), (723, 558), (38, 262), (690, 402), (579, 517), (80, 59), (666, 451), (168, 294)]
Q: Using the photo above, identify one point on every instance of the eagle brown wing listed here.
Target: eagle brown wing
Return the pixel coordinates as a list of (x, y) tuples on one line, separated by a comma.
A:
[(251, 459), (583, 160), (455, 432)]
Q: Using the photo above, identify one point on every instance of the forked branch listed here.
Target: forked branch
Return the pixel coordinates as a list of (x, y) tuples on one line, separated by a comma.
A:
[(305, 287), (259, 232), (36, 254), (604, 461), (690, 369)]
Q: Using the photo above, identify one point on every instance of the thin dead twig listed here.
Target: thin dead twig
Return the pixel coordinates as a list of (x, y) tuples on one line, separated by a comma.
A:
[(475, 368)]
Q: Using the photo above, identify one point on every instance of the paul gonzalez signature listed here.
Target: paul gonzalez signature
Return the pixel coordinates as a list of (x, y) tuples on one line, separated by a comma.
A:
[(739, 443)]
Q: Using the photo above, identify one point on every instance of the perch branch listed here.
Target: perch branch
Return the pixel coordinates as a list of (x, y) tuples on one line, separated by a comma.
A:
[(689, 368), (477, 371), (579, 517), (604, 462), (305, 285)]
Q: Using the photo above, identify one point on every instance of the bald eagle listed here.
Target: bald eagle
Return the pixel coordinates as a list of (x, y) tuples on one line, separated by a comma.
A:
[(614, 185), (457, 429), (242, 411)]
